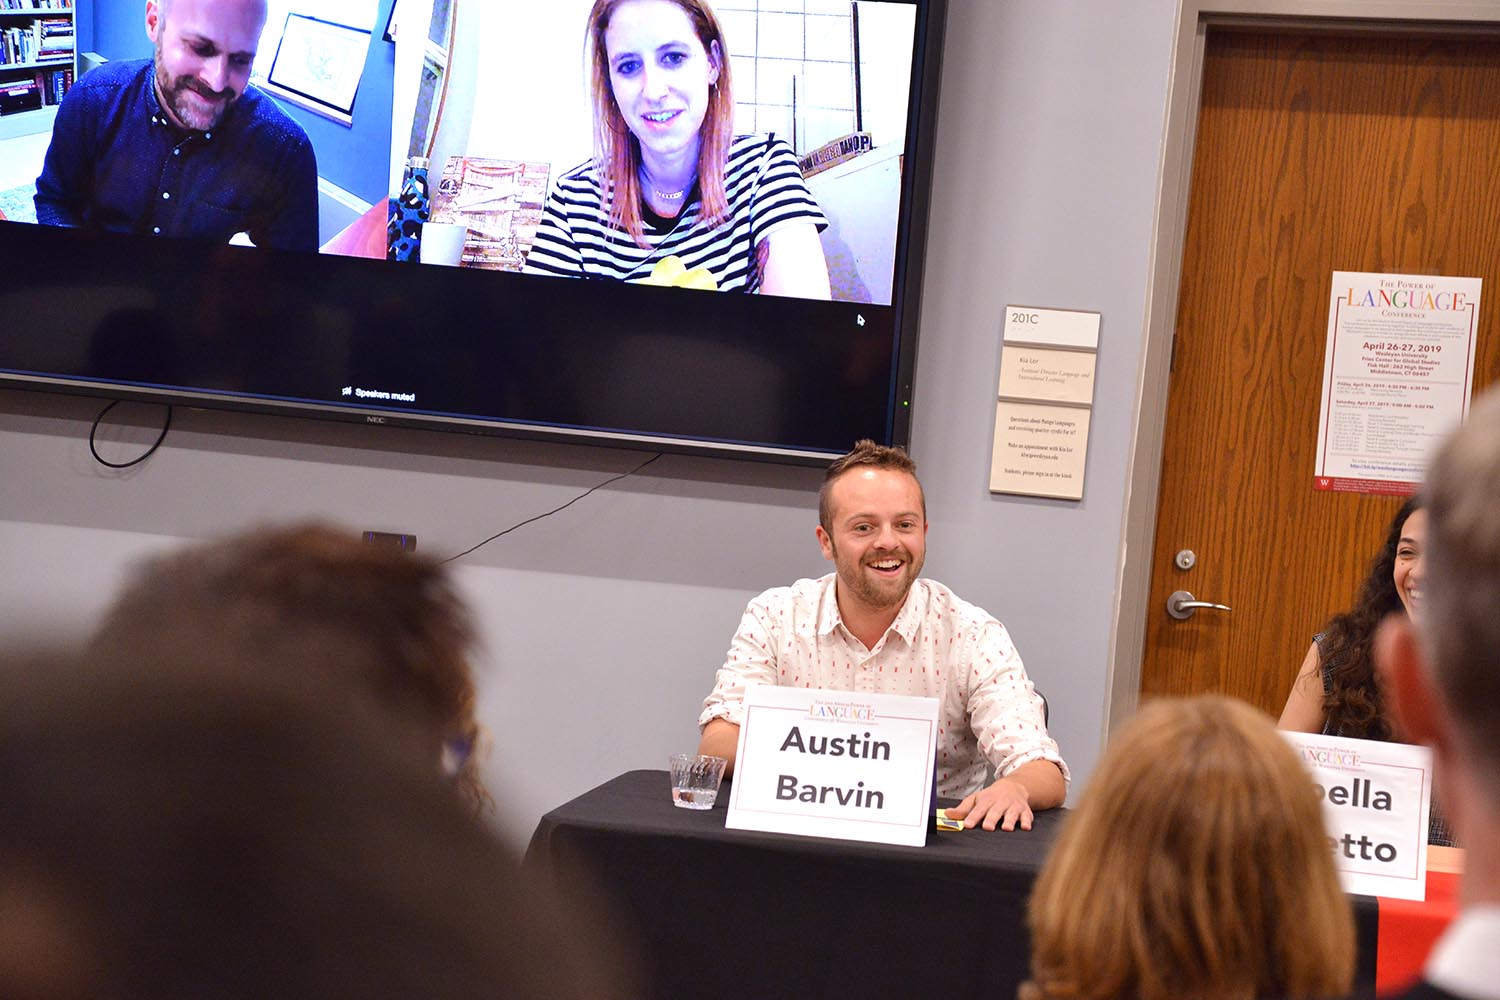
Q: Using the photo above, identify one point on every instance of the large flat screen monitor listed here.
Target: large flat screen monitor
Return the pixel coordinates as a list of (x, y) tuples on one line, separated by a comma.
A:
[(652, 222)]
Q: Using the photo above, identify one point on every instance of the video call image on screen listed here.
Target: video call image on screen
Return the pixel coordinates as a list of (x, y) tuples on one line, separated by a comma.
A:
[(436, 243), (812, 108), (767, 158), (184, 123)]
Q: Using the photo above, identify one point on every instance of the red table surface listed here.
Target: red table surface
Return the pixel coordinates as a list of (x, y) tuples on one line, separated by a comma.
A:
[(1409, 929)]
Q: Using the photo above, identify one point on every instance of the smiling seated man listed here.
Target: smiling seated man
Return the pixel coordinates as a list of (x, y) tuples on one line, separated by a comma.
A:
[(873, 626), (180, 144)]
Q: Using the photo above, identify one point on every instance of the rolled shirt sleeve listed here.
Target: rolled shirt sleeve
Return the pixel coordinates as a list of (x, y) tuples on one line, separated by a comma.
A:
[(1005, 711), (751, 660)]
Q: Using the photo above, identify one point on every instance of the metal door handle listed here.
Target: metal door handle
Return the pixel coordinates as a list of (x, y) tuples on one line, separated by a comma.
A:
[(1182, 605)]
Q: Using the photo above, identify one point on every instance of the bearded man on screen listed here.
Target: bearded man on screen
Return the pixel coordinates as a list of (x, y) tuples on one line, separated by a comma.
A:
[(181, 144)]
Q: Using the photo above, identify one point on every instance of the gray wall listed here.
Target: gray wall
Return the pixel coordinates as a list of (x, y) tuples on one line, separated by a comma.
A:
[(603, 624)]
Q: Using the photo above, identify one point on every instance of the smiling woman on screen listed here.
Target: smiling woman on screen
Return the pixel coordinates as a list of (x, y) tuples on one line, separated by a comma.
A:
[(672, 195)]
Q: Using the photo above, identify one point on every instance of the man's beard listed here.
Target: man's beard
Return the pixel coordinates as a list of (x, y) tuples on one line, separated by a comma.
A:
[(879, 593), (174, 95)]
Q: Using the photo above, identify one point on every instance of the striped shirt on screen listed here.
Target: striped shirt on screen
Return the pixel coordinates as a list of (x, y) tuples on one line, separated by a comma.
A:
[(766, 193)]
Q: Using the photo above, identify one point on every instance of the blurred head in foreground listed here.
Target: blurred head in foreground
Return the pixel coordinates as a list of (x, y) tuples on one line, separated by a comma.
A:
[(1195, 866), (1441, 669), (193, 826), (318, 604)]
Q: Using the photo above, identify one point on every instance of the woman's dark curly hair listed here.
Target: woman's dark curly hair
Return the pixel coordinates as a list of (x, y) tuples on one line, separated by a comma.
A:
[(1351, 704)]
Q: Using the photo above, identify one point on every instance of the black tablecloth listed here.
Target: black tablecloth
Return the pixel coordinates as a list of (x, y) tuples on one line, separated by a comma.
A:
[(728, 913)]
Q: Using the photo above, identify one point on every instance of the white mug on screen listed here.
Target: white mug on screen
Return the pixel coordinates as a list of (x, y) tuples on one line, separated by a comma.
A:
[(443, 243)]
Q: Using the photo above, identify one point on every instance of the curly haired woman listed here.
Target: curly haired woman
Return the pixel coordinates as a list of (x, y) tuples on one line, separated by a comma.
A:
[(1335, 692)]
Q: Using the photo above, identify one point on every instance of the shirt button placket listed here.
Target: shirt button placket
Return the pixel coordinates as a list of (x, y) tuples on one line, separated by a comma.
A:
[(171, 184)]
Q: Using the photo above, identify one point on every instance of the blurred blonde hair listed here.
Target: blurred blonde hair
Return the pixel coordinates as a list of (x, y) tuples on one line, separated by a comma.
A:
[(1196, 865)]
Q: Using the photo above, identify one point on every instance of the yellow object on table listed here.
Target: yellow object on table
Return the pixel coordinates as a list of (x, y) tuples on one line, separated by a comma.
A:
[(944, 823), (671, 271)]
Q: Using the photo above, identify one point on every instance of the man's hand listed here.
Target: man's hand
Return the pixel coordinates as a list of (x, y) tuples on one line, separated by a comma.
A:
[(1006, 803), (1037, 784)]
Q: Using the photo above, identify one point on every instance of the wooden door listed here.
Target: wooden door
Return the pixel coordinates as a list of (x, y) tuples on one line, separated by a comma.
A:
[(1315, 152)]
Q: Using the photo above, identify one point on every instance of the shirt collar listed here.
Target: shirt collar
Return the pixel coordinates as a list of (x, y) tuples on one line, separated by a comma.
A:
[(1465, 961), (153, 102), (908, 619)]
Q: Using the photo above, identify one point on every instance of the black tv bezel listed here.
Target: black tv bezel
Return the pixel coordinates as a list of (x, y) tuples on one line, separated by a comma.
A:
[(906, 307)]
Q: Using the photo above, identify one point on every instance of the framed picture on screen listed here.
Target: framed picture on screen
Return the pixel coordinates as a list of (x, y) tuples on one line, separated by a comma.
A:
[(320, 62)]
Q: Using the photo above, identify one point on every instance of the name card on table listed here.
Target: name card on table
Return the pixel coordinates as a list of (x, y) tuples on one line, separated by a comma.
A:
[(835, 764), (1376, 800)]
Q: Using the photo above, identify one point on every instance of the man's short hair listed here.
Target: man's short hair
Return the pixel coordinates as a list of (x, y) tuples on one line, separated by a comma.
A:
[(1459, 626), (389, 625), (865, 454)]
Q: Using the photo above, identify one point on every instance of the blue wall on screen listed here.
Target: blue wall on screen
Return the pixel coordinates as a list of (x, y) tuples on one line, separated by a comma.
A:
[(356, 158), (113, 29), (83, 25)]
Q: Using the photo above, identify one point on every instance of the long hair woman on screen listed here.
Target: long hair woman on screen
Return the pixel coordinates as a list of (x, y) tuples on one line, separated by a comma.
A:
[(672, 195), (1195, 866), (650, 161)]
